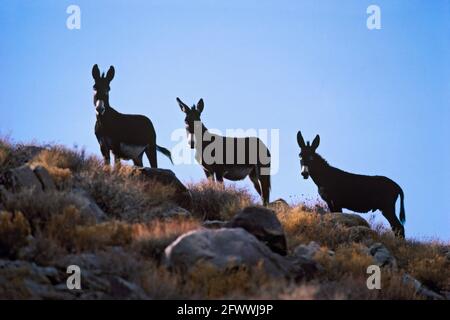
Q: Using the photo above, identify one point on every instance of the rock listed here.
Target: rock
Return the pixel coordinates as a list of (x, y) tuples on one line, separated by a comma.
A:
[(214, 224), (88, 206), (279, 205), (182, 196), (21, 178), (307, 251), (360, 233), (86, 261), (347, 219), (45, 178), (25, 280), (224, 249), (420, 288), (123, 289), (264, 225), (382, 256), (176, 212)]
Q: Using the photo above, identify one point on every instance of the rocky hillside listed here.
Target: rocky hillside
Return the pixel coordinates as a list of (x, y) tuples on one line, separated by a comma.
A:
[(142, 234)]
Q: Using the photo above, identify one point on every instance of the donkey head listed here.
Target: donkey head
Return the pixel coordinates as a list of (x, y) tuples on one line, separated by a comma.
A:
[(307, 153), (192, 117), (101, 88)]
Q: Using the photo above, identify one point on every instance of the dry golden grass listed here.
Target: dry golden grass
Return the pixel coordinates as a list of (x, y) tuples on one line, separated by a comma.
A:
[(44, 227), (209, 283), (151, 239), (123, 195), (215, 201), (14, 232), (40, 207)]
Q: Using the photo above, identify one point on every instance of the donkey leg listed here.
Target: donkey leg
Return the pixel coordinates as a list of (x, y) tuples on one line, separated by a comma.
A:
[(254, 178), (219, 177), (138, 161), (151, 155), (209, 175), (265, 186), (117, 162), (106, 154), (397, 227)]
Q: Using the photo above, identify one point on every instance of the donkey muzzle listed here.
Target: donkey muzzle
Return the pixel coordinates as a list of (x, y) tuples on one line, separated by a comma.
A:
[(100, 107), (305, 172), (190, 138)]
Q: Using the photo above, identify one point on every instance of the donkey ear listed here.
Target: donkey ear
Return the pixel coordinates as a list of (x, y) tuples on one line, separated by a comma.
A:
[(110, 74), (200, 105), (183, 106), (300, 140), (95, 72), (315, 142)]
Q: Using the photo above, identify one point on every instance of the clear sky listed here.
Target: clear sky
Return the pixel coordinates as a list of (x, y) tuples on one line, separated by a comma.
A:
[(378, 98)]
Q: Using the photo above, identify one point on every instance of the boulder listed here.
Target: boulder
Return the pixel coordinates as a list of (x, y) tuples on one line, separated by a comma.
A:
[(347, 219), (382, 256), (279, 205), (88, 206), (21, 178), (182, 196), (420, 288), (224, 249), (264, 225), (307, 251), (25, 280), (360, 233), (45, 178)]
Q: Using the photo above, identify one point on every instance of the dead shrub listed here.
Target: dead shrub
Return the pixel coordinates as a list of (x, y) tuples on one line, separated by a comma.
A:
[(14, 232), (214, 201)]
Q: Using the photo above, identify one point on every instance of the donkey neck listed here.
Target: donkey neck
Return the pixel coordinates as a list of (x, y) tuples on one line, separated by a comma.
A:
[(321, 171), (200, 134)]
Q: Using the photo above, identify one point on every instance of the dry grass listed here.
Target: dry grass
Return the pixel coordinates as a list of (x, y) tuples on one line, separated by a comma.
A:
[(215, 201), (123, 195), (46, 227), (14, 232), (151, 239)]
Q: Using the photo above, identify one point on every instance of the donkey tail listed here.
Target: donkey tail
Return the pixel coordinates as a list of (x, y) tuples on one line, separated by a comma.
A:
[(165, 152), (402, 207)]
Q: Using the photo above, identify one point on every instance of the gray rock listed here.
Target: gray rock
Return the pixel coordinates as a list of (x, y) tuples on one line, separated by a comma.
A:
[(347, 219), (45, 178), (182, 195), (382, 256), (420, 288), (307, 251), (30, 281), (264, 225), (223, 249), (279, 205), (123, 289), (360, 233), (21, 178), (88, 206)]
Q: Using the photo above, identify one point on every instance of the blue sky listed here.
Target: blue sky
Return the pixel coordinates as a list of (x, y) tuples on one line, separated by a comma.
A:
[(378, 98)]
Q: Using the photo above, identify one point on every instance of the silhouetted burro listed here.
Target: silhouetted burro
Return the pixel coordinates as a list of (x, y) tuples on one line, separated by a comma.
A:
[(226, 157), (340, 189), (127, 136)]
